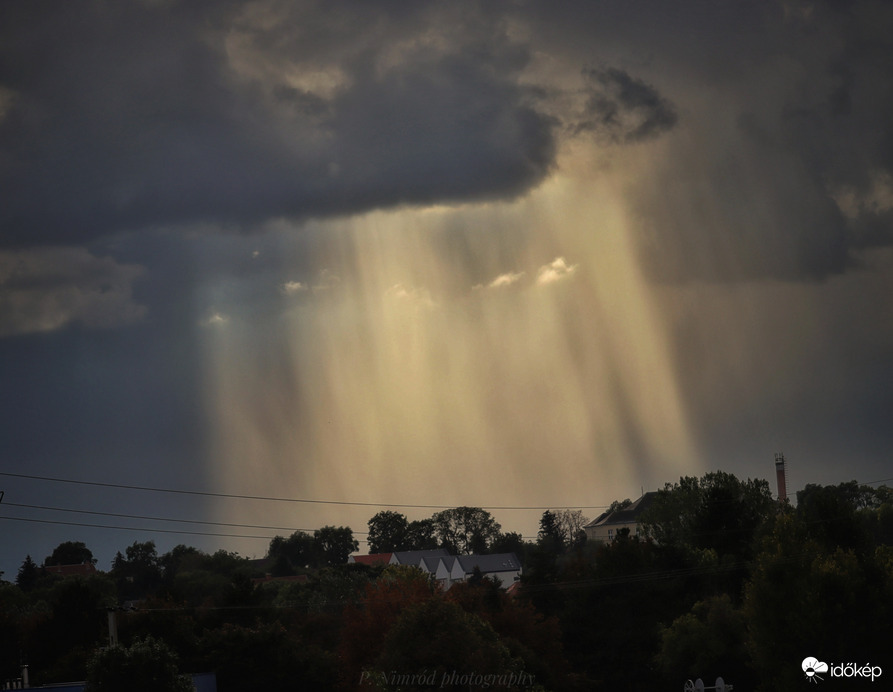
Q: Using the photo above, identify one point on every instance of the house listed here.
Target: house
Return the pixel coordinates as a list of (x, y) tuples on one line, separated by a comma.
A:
[(83, 569), (504, 567), (604, 527), (415, 557), (448, 569)]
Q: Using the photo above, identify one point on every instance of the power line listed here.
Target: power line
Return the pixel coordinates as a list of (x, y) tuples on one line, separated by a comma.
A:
[(133, 528), (156, 530), (205, 493), (150, 518)]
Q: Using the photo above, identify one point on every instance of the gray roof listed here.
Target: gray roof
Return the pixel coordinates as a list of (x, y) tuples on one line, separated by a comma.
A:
[(414, 557), (488, 564), (627, 515), (449, 561)]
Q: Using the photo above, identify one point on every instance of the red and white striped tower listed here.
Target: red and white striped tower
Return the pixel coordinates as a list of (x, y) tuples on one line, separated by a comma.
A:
[(781, 477)]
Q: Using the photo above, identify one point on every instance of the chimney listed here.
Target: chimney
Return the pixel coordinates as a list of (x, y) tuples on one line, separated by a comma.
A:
[(781, 477)]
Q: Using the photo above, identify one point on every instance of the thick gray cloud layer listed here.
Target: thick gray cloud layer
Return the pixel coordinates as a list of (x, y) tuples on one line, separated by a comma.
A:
[(131, 115)]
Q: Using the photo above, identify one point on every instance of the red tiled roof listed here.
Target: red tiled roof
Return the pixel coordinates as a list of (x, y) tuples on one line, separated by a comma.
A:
[(72, 570), (374, 559)]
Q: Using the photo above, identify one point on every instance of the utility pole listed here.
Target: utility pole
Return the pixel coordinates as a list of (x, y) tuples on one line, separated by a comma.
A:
[(113, 627)]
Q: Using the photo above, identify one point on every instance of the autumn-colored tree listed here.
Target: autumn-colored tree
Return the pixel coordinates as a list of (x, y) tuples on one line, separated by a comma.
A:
[(367, 622), (529, 635)]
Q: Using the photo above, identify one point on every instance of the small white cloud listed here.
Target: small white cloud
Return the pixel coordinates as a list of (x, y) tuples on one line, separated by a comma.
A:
[(506, 279), (214, 320), (418, 297), (290, 288), (557, 270)]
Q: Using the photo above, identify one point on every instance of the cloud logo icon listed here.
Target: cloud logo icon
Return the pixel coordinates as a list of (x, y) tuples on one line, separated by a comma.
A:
[(812, 667)]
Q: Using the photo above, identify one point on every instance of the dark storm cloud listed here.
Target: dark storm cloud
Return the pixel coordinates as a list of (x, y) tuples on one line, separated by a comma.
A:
[(48, 288), (121, 116), (624, 109), (780, 163), (118, 116)]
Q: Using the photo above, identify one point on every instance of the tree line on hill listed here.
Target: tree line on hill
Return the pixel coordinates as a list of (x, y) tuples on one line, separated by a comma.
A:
[(720, 580)]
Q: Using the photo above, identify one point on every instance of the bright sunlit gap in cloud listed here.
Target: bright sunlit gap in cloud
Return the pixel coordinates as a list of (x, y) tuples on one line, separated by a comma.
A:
[(444, 366)]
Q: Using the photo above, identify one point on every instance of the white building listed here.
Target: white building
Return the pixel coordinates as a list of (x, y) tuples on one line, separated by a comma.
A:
[(605, 527)]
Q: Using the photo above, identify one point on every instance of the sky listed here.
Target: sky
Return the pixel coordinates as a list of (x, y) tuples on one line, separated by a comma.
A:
[(272, 265)]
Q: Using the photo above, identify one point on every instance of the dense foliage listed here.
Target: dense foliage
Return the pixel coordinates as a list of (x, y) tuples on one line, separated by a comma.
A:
[(720, 580)]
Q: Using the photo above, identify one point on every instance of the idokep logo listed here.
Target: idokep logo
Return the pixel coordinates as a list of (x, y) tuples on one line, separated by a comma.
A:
[(812, 667)]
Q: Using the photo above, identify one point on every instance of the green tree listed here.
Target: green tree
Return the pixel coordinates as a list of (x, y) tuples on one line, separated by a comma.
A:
[(550, 537), (543, 557), (77, 623), (334, 544), (465, 530), (715, 512), (70, 553), (618, 505), (137, 574), (180, 558), (511, 542), (266, 656), (831, 514), (707, 642), (571, 523), (629, 581), (14, 607), (28, 574), (387, 532), (148, 665), (420, 535), (298, 551), (437, 638), (805, 596)]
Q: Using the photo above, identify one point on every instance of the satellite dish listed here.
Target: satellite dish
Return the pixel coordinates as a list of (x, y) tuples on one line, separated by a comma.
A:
[(689, 686), (699, 685), (720, 685)]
